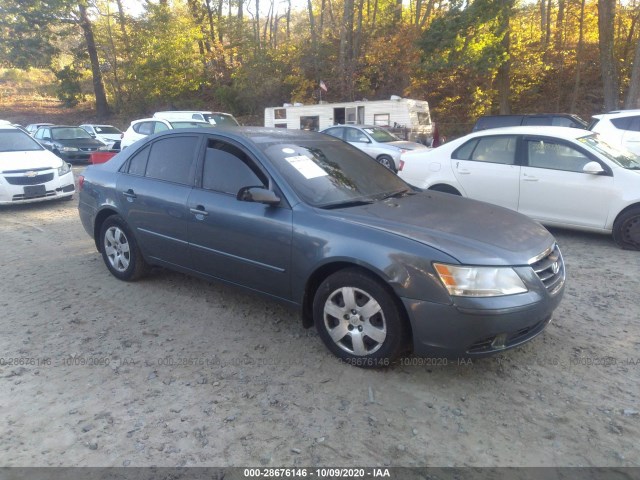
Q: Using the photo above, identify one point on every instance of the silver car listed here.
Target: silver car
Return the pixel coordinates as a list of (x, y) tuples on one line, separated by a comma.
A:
[(376, 142)]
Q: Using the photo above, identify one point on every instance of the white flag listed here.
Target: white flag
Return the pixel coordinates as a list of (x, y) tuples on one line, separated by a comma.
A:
[(323, 86)]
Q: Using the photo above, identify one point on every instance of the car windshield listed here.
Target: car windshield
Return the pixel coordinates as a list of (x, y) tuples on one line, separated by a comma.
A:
[(221, 119), (619, 155), (190, 124), (106, 130), (68, 133), (17, 141), (380, 135), (330, 174)]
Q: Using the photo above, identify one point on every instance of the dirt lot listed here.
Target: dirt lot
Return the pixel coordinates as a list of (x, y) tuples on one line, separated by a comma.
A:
[(174, 371)]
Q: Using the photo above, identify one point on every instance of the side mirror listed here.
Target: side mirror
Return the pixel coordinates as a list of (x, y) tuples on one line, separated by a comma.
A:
[(258, 195), (593, 168), (363, 140)]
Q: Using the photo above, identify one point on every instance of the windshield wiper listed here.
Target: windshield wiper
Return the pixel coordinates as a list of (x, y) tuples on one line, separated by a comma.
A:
[(346, 203)]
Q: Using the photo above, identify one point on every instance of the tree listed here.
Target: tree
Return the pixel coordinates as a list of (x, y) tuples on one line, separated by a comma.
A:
[(606, 30)]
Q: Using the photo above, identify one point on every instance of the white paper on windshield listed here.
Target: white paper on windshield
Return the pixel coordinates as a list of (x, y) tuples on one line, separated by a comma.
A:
[(307, 167)]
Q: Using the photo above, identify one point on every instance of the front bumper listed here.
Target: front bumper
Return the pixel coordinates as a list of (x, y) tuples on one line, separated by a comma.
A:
[(481, 326), (46, 185)]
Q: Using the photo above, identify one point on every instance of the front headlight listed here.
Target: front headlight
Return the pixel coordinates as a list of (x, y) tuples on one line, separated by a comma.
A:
[(69, 149), (103, 148), (479, 281), (64, 169)]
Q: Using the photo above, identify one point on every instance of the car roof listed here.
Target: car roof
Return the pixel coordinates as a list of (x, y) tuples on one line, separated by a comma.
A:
[(561, 132), (257, 135)]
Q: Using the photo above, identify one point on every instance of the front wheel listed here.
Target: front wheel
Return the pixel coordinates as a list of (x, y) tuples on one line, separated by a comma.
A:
[(387, 161), (626, 229), (120, 250), (358, 319)]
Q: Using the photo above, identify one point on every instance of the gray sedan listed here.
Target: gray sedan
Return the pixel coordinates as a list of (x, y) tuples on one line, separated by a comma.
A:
[(378, 267), (376, 142)]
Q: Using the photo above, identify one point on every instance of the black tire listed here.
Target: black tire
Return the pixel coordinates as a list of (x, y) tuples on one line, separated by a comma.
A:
[(387, 161), (120, 250), (369, 335), (626, 229)]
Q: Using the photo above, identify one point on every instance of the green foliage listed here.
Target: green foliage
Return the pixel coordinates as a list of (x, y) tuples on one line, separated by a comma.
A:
[(69, 91)]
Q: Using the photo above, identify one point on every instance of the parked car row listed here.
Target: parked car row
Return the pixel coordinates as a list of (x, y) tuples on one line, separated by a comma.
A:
[(28, 171)]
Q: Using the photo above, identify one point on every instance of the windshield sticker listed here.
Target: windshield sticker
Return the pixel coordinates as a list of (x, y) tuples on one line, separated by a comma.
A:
[(288, 151), (307, 167)]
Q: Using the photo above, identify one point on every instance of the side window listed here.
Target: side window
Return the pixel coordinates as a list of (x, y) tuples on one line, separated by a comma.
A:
[(539, 120), (464, 152), (354, 135), (227, 169), (39, 133), (622, 123), (195, 116), (635, 124), (159, 127), (498, 149), (555, 156), (171, 159), (335, 132), (143, 128), (138, 163)]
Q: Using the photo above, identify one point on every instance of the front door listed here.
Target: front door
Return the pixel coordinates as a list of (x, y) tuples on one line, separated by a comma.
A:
[(241, 242)]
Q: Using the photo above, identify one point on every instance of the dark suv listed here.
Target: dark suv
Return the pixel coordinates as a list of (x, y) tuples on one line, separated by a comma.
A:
[(553, 119)]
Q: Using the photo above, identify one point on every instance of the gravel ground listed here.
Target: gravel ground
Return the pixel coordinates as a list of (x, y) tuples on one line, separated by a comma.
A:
[(175, 371)]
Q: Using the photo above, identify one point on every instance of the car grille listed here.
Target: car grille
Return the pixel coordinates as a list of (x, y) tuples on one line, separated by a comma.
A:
[(35, 180), (49, 193), (550, 269), (88, 149)]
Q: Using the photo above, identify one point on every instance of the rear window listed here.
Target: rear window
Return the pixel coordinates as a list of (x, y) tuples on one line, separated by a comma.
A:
[(623, 123)]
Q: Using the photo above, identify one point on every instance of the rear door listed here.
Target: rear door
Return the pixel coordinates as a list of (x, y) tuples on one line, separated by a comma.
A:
[(153, 188), (487, 169), (555, 190), (241, 242)]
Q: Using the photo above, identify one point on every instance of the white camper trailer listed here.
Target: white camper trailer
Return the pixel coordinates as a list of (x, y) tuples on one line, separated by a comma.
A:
[(410, 119)]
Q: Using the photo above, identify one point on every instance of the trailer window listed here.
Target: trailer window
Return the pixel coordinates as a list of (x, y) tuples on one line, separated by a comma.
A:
[(280, 113), (381, 119), (423, 118), (310, 123)]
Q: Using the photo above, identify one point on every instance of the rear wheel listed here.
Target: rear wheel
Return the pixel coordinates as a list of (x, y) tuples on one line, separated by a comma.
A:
[(120, 250), (358, 319), (387, 161), (626, 229)]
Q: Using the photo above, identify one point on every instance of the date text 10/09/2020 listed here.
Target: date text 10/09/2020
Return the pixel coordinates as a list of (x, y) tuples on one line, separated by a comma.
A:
[(346, 473)]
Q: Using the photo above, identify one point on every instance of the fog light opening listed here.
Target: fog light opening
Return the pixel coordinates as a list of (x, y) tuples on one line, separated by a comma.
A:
[(499, 341)]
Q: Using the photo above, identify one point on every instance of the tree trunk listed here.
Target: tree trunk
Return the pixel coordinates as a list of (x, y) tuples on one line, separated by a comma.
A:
[(503, 79), (633, 95), (102, 107), (606, 17), (123, 28), (560, 26), (346, 47), (576, 85)]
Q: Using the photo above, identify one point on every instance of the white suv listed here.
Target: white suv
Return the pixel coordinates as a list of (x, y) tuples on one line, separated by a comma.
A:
[(621, 127), (147, 126)]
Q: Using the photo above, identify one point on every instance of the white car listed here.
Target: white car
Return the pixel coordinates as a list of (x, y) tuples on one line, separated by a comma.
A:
[(147, 126), (621, 127), (559, 176), (107, 134), (375, 141), (29, 172)]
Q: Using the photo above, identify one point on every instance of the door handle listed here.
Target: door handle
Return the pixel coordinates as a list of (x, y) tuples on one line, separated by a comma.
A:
[(129, 193), (464, 171), (199, 210), (529, 178)]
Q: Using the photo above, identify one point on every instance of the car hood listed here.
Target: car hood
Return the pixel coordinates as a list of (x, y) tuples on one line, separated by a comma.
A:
[(32, 160), (406, 145), (472, 232), (80, 143)]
